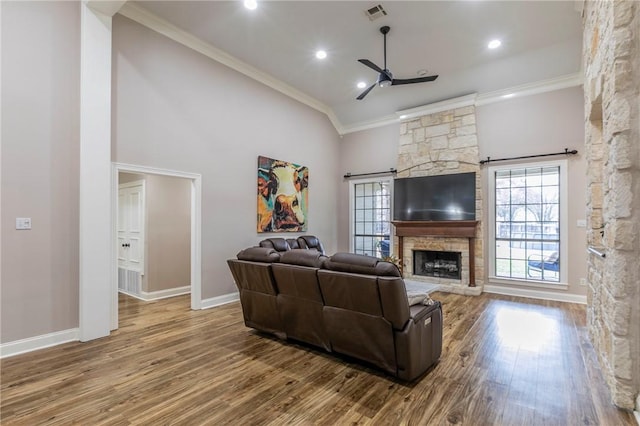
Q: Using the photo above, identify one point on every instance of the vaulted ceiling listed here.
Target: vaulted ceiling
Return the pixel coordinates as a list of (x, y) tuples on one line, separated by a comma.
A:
[(541, 42)]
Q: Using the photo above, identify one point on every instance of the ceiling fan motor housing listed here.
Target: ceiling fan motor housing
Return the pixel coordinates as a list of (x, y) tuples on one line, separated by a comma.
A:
[(385, 78)]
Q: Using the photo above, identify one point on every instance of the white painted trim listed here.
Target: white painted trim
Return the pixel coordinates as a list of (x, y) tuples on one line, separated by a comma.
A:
[(95, 205), (352, 183), (366, 125), (196, 231), (220, 300), (107, 8), (134, 168), (527, 283), (164, 27), (196, 243), (534, 88), (164, 294), (564, 212), (157, 295), (39, 342), (446, 105), (536, 294)]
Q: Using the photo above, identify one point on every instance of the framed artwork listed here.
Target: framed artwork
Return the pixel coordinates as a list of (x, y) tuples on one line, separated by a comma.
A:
[(283, 196)]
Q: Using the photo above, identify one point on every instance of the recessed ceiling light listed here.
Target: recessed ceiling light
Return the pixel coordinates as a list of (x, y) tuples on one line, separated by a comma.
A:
[(321, 54), (494, 44), (403, 116), (362, 85), (250, 4), (508, 95)]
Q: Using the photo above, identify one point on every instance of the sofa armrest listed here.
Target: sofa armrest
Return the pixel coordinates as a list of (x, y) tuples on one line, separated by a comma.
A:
[(419, 344), (419, 312)]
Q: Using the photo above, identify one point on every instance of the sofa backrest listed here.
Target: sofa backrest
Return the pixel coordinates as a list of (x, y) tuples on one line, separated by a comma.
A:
[(258, 291), (278, 244), (299, 299), (365, 300), (308, 242), (296, 274)]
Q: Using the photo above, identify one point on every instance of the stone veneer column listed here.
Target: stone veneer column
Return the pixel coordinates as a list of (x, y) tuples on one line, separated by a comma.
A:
[(441, 143), (612, 110)]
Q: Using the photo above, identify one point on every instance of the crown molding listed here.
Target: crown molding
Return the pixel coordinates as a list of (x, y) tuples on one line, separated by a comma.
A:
[(159, 25), (446, 105), (372, 124), (106, 7), (535, 88)]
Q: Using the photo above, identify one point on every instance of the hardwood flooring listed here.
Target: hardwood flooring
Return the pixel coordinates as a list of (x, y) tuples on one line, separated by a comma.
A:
[(505, 361)]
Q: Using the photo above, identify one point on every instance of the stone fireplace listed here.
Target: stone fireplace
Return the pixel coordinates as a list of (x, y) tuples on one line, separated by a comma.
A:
[(436, 141)]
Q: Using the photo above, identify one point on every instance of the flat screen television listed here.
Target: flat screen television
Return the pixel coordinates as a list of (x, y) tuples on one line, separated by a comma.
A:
[(442, 197)]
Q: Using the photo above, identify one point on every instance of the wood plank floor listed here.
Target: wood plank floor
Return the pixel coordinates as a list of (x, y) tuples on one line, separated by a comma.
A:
[(505, 361)]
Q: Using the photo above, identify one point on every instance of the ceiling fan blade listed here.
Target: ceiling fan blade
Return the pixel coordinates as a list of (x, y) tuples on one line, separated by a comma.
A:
[(370, 65), (397, 81), (366, 92)]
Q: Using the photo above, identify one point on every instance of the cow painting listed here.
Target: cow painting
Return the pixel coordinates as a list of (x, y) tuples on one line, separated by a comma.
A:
[(282, 196)]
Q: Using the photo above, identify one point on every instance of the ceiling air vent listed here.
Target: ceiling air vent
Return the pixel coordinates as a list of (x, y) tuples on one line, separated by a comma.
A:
[(375, 12)]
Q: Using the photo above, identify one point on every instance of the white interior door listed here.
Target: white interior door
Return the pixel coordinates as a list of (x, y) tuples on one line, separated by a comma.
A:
[(131, 213)]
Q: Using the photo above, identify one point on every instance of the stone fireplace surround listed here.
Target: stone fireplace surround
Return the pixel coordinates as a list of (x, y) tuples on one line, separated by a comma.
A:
[(443, 141)]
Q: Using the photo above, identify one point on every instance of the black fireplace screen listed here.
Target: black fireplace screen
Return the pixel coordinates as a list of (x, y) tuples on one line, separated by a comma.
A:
[(442, 264)]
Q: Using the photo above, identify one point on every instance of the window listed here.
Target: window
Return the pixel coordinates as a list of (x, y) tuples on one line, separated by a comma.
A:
[(371, 217), (529, 218)]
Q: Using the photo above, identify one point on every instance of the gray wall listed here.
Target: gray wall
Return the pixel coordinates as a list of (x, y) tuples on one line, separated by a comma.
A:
[(543, 123), (539, 124), (176, 109), (367, 151), (168, 240), (40, 167)]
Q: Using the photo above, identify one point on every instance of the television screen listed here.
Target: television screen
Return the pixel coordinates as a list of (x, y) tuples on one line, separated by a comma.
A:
[(443, 197)]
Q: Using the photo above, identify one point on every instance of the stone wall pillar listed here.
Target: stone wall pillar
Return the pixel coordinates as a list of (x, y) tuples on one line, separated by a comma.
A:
[(611, 51)]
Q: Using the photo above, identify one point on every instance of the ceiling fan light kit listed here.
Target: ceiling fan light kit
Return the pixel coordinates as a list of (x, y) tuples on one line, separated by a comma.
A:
[(385, 77)]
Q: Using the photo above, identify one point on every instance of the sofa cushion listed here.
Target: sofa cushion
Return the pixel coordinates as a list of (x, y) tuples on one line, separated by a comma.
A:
[(259, 254), (311, 258), (361, 264)]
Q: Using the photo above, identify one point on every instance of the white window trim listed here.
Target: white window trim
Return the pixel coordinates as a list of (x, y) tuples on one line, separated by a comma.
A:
[(562, 284), (352, 184)]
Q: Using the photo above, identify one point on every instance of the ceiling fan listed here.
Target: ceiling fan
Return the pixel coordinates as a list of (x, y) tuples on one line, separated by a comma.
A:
[(385, 78)]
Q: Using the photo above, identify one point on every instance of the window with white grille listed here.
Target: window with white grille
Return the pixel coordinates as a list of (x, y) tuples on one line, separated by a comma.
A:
[(529, 212), (371, 217)]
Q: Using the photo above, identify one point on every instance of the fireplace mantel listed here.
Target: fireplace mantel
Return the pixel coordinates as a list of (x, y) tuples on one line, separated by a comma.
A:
[(443, 229)]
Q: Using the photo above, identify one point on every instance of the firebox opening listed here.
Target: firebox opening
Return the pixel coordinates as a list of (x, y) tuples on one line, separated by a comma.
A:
[(442, 264)]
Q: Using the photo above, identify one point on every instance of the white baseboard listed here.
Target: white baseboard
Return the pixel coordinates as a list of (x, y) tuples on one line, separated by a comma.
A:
[(536, 294), (220, 300), (160, 294), (163, 294), (39, 342)]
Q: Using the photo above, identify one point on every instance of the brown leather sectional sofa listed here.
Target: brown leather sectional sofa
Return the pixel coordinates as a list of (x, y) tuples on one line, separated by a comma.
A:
[(350, 304)]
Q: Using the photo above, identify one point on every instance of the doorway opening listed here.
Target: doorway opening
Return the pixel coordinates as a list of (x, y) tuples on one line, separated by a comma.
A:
[(128, 265)]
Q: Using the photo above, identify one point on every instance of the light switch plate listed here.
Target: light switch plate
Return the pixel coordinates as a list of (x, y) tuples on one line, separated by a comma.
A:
[(23, 223), (582, 223)]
